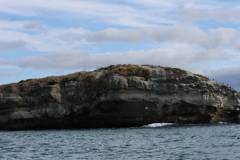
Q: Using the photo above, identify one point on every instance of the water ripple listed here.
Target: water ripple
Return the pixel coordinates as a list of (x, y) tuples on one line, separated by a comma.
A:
[(163, 142)]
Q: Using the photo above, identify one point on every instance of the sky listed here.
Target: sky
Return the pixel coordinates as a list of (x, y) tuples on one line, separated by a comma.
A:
[(57, 37)]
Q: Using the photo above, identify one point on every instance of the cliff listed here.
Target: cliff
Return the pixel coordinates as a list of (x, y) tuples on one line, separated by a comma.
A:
[(117, 96)]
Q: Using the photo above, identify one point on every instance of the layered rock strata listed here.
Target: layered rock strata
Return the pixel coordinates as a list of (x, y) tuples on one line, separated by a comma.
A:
[(117, 96)]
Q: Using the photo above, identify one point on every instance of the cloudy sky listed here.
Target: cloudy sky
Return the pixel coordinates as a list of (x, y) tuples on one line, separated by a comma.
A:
[(56, 37)]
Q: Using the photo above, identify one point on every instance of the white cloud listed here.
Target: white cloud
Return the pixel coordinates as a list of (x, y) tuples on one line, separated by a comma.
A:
[(99, 11), (4, 64), (3, 61), (132, 13), (220, 37), (55, 39), (172, 55), (238, 45), (223, 37), (11, 46), (222, 14), (59, 39), (8, 35), (43, 40), (112, 34), (23, 25), (15, 11), (16, 34)]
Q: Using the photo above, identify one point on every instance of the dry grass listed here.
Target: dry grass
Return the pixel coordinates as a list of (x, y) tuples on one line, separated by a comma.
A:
[(128, 70), (87, 79), (24, 87), (177, 72), (201, 76), (152, 66)]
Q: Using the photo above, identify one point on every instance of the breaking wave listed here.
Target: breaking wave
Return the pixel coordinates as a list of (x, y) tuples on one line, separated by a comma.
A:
[(153, 125)]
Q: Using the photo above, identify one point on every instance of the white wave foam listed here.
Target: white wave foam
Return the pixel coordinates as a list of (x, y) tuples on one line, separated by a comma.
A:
[(153, 125), (223, 122)]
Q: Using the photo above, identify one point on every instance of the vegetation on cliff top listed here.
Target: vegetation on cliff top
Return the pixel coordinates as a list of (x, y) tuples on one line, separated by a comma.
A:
[(128, 70), (177, 72), (88, 79)]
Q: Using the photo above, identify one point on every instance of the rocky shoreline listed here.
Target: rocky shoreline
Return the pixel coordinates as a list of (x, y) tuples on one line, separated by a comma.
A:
[(117, 96)]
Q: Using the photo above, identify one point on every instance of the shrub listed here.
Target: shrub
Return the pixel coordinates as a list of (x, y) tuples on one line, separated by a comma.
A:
[(25, 80), (87, 79), (129, 70), (52, 82), (21, 81), (68, 79)]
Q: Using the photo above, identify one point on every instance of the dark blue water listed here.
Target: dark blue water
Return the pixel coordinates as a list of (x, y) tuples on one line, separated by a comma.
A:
[(176, 142)]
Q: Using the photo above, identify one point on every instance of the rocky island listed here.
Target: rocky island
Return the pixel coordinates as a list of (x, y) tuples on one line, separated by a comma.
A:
[(117, 96)]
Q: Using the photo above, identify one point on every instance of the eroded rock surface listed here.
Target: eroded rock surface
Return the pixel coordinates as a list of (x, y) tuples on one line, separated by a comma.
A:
[(117, 96)]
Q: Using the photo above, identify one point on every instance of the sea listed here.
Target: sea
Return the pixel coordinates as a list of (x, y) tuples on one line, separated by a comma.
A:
[(158, 141)]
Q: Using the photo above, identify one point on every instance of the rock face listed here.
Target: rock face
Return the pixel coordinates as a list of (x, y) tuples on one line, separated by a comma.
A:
[(117, 96)]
